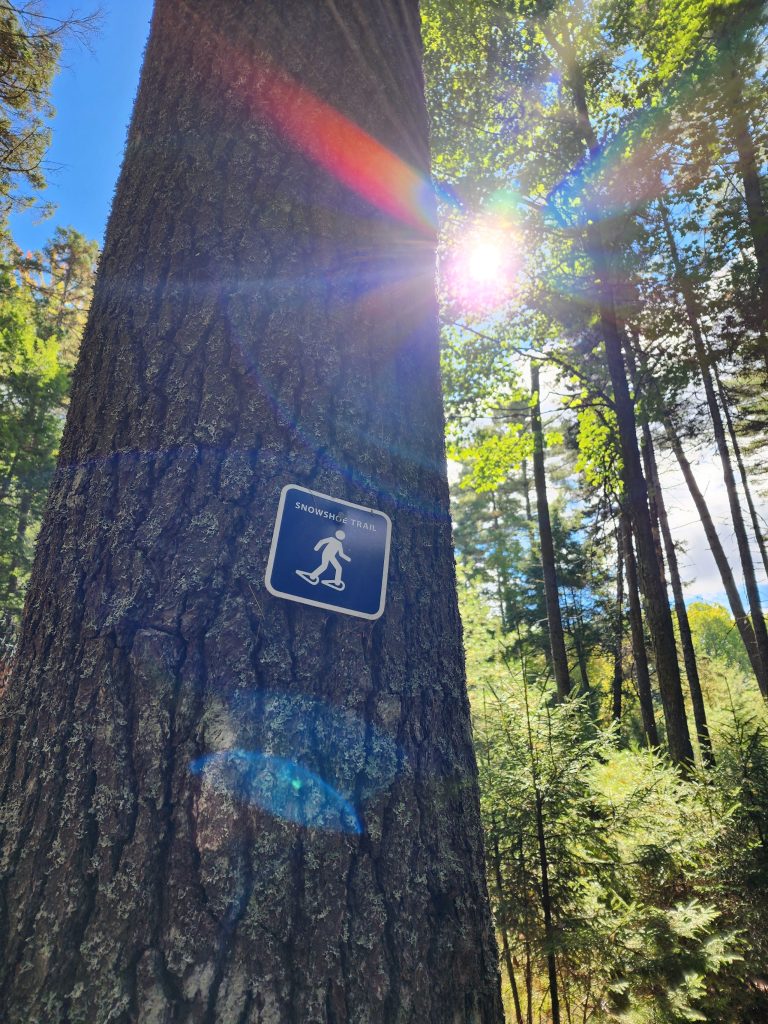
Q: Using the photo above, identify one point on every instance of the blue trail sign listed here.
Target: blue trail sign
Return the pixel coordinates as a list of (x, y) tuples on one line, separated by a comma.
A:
[(329, 553)]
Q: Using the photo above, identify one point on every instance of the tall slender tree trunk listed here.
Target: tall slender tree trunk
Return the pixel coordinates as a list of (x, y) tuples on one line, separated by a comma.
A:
[(661, 530), (734, 504), (757, 526), (650, 577), (636, 492), (506, 951), (741, 618), (546, 905), (219, 805), (642, 672), (683, 625), (527, 931), (581, 658), (618, 653), (548, 567), (526, 490), (502, 582), (757, 215)]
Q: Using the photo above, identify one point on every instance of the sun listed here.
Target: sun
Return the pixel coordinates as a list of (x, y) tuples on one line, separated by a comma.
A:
[(482, 266), (485, 261)]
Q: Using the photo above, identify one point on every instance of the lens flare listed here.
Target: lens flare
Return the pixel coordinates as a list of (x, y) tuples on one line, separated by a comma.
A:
[(338, 145), (485, 262), (283, 788), (480, 270), (298, 759)]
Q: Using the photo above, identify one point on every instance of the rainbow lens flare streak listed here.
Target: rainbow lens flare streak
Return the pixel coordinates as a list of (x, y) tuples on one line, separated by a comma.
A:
[(323, 134)]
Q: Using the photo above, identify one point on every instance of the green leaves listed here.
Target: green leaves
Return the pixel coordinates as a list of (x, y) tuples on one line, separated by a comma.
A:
[(43, 302), (493, 458), (599, 458)]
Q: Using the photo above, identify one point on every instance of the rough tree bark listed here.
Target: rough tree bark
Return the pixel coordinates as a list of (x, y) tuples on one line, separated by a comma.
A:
[(264, 313), (548, 567)]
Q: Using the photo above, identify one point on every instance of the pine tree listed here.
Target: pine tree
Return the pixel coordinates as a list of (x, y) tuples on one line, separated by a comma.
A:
[(220, 805)]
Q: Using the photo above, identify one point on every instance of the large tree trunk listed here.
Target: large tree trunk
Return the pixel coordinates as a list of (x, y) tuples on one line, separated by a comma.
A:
[(734, 504), (222, 806), (741, 618), (548, 567), (642, 672)]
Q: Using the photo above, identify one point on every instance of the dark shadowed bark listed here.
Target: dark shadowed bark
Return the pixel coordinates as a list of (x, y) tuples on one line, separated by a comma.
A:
[(683, 625), (220, 806), (661, 531), (642, 672), (548, 567), (649, 571), (650, 576)]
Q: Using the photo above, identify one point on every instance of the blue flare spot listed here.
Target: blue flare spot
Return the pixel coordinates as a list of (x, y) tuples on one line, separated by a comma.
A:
[(283, 788)]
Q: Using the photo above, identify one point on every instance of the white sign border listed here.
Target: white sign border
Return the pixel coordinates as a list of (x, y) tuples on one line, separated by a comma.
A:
[(307, 600)]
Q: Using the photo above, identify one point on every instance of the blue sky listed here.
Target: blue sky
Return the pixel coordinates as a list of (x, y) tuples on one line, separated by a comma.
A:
[(93, 95)]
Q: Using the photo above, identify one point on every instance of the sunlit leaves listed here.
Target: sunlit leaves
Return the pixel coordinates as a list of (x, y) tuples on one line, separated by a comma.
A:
[(492, 459)]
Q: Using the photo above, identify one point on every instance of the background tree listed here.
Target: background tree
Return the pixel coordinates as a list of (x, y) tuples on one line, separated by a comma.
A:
[(34, 385), (30, 46), (45, 301)]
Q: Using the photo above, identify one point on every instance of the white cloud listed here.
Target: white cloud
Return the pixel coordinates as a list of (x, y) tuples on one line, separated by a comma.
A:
[(701, 578)]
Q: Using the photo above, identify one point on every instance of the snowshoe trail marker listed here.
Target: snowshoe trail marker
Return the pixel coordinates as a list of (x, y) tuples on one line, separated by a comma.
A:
[(329, 553)]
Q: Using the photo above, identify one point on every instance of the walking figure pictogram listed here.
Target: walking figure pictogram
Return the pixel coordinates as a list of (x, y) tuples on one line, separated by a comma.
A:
[(333, 550)]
